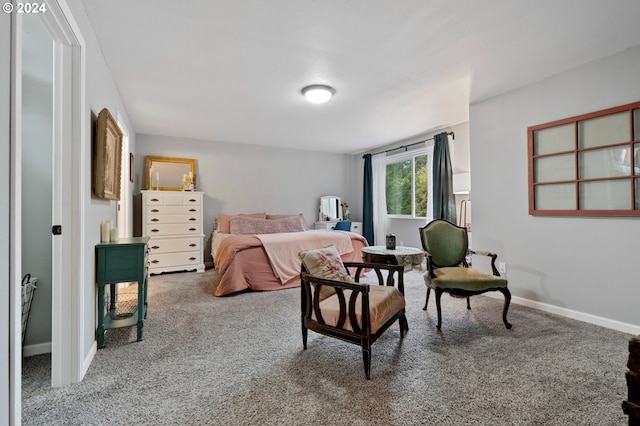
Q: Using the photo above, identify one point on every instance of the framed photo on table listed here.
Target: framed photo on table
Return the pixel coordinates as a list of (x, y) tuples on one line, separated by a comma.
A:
[(107, 159)]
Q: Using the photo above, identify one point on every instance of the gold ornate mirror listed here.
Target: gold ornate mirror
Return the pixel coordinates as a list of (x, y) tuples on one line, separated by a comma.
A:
[(166, 173)]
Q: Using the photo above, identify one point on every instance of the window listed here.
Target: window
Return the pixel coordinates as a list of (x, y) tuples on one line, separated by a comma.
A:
[(587, 165), (407, 179)]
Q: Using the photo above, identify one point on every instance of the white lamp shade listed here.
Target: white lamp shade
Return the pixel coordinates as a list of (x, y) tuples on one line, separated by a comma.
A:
[(318, 93), (461, 183)]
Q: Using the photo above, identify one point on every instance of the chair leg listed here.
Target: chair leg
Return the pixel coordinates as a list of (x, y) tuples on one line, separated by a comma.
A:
[(468, 303), (366, 357), (507, 300), (438, 307), (427, 301), (404, 325), (304, 335)]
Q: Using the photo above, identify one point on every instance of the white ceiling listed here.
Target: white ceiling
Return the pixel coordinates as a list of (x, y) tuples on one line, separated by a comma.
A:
[(232, 70)]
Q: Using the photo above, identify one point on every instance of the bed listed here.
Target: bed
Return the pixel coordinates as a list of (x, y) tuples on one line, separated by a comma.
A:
[(259, 252)]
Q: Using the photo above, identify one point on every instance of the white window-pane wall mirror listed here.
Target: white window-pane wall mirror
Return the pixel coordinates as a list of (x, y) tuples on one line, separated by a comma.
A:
[(605, 195), (587, 165), (556, 197), (604, 130), (555, 139), (555, 168)]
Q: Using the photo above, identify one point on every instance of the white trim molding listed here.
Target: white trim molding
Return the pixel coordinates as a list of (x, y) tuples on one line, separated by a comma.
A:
[(570, 313)]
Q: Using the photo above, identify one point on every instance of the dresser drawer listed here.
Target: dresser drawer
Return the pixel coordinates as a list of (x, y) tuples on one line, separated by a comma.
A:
[(173, 229), (325, 225), (169, 245), (356, 227), (191, 199), (174, 259), (172, 218), (169, 198), (166, 198), (184, 210)]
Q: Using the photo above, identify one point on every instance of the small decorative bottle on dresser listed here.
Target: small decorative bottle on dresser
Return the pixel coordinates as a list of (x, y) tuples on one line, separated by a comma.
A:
[(173, 221)]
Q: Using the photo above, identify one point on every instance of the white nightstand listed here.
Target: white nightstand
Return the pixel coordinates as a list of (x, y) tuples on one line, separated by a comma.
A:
[(356, 227)]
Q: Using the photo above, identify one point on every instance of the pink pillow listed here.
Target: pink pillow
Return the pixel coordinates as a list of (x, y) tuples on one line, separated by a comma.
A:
[(253, 225), (224, 220), (303, 221), (278, 216)]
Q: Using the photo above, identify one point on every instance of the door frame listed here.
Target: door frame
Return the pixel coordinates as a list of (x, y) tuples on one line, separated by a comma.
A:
[(69, 188), (10, 331), (123, 206), (68, 322)]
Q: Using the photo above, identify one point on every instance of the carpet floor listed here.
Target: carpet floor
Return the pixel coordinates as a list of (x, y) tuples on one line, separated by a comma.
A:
[(239, 360)]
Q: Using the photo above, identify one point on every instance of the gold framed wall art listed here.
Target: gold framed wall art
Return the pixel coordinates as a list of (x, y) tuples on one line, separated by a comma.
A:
[(107, 159)]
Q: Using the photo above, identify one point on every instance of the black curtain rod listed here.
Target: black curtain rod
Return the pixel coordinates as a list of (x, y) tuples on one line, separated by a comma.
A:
[(453, 135)]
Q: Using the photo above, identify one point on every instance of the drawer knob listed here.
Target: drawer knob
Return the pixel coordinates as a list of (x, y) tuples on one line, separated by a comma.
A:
[(192, 200), (193, 210), (192, 229), (155, 247), (192, 258), (155, 261), (155, 199), (155, 219), (155, 230), (154, 210), (192, 219), (192, 245)]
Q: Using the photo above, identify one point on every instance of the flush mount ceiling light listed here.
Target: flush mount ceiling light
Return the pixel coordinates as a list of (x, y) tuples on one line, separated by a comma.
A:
[(318, 93)]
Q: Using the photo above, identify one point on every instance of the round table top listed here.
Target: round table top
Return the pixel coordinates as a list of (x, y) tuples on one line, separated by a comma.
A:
[(399, 251)]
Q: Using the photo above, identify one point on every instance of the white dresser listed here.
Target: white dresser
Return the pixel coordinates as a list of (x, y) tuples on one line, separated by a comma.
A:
[(356, 227), (173, 221)]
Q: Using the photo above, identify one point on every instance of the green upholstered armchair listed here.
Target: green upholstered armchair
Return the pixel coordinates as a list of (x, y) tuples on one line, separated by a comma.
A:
[(448, 272)]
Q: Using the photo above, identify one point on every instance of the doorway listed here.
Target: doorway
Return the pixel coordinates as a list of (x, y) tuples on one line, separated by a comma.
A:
[(124, 215), (48, 163), (37, 178)]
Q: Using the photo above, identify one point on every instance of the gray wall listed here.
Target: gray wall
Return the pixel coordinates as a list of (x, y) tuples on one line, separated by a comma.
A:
[(239, 178), (583, 265), (37, 170)]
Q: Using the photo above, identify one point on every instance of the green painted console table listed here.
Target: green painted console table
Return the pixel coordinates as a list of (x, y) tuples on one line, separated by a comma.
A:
[(117, 262)]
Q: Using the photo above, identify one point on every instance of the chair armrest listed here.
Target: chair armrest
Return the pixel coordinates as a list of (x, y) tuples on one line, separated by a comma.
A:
[(310, 301), (378, 268), (482, 252), (430, 267), (493, 257)]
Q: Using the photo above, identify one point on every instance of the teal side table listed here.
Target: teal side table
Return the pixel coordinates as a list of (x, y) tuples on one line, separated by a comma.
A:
[(116, 262)]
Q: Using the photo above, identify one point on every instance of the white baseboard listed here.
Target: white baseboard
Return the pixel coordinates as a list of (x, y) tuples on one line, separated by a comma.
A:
[(38, 349), (570, 313), (88, 359), (45, 348)]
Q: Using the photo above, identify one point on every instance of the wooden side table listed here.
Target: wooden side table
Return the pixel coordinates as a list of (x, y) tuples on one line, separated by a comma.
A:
[(117, 262), (404, 256)]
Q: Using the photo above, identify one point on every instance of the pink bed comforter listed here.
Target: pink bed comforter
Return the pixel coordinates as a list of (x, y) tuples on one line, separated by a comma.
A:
[(244, 264)]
